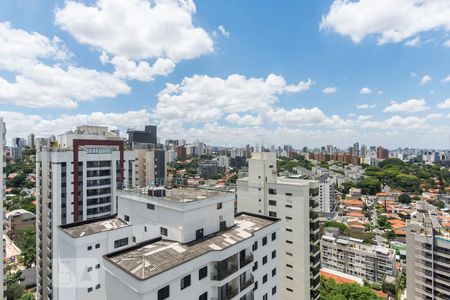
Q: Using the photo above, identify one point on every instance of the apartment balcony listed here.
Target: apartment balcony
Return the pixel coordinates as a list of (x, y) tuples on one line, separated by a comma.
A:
[(315, 283), (228, 291), (224, 268), (246, 281), (245, 259), (315, 295), (248, 296)]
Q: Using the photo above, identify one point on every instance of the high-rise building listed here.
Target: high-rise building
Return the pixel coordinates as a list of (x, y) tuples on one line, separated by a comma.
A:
[(428, 255), (17, 147), (352, 256), (327, 194), (2, 218), (356, 149), (146, 136), (293, 201), (181, 243), (382, 153), (364, 152), (151, 166), (76, 181), (202, 250), (30, 140)]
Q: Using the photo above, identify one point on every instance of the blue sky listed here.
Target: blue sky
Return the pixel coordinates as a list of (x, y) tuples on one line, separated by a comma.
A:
[(218, 57)]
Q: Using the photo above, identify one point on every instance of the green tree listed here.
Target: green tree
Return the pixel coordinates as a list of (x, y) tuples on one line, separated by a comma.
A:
[(336, 224), (26, 241), (404, 198), (329, 290), (370, 185), (27, 296)]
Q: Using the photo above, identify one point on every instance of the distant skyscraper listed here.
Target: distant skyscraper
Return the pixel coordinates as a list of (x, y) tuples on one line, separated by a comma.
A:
[(356, 149), (363, 151), (30, 140)]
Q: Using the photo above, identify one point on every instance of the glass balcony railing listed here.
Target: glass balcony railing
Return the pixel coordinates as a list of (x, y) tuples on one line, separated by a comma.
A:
[(224, 268)]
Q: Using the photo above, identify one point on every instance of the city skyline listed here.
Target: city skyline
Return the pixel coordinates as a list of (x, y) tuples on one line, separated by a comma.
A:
[(231, 73)]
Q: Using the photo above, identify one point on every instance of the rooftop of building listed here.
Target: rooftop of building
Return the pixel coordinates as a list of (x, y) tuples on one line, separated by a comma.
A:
[(180, 195), (153, 257), (93, 226)]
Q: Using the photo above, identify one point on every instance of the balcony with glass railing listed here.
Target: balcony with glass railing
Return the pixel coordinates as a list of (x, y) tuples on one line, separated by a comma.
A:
[(223, 269)]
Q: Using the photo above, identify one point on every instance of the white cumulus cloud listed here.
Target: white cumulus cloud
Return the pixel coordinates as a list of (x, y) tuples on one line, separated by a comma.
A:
[(136, 31), (205, 99), (425, 79), (329, 90), (410, 106), (365, 90), (36, 84), (365, 106), (444, 105), (389, 21)]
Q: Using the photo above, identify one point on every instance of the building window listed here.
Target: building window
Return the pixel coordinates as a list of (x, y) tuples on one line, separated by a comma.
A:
[(89, 269), (289, 266), (274, 254), (89, 248), (145, 228), (256, 286), (272, 214), (203, 272), (164, 293), (90, 290), (274, 236), (150, 206), (272, 191), (289, 254), (255, 266), (265, 260), (121, 243), (288, 194), (265, 278), (289, 290), (97, 246), (127, 218), (288, 218), (288, 230), (255, 246), (203, 296), (289, 277), (219, 205), (273, 202), (264, 241), (164, 231), (288, 206), (185, 282), (97, 266), (274, 272), (289, 242), (97, 286), (274, 290)]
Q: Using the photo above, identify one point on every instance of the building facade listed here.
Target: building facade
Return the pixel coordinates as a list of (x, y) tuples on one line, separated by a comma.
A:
[(428, 255), (238, 262), (352, 256), (294, 202), (77, 181), (150, 166)]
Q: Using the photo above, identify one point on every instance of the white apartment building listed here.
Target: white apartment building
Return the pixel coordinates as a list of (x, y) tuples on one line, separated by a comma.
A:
[(237, 262), (76, 181), (80, 272), (428, 256), (327, 194), (352, 256), (2, 218), (178, 232), (293, 201), (223, 161)]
